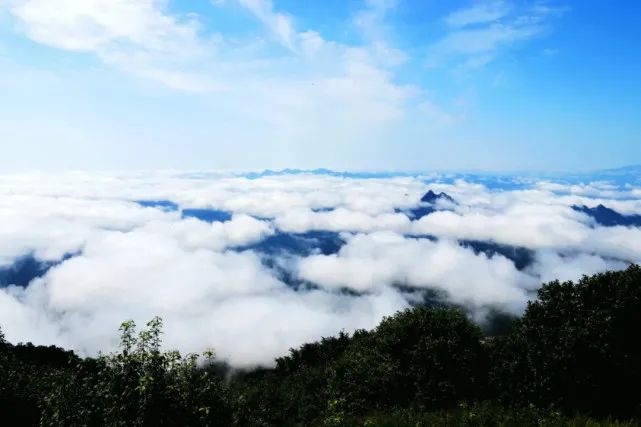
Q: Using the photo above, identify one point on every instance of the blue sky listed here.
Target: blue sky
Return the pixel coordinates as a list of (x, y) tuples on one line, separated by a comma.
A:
[(360, 84)]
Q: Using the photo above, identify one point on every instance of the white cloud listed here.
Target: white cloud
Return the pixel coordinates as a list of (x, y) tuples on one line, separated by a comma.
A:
[(208, 298), (341, 219), (520, 225), (622, 243), (241, 230), (54, 226), (136, 262), (383, 258), (136, 35), (551, 265), (94, 25)]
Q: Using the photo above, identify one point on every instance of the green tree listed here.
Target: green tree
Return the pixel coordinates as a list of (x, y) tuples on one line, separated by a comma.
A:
[(295, 391), (576, 348), (27, 374), (425, 357)]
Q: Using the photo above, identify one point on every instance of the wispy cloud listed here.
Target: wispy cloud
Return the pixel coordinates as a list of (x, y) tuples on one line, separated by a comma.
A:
[(371, 22), (481, 13), (280, 24), (481, 33)]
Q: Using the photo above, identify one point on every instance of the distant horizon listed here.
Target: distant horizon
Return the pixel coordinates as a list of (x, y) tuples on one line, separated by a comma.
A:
[(321, 170)]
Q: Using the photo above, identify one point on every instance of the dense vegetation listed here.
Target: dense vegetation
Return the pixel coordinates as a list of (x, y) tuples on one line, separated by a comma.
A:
[(573, 358)]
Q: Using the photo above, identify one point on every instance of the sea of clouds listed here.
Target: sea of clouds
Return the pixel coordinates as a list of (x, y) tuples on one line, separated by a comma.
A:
[(253, 264)]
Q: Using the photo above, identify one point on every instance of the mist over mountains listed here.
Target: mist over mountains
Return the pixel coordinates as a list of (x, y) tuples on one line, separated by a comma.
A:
[(253, 264)]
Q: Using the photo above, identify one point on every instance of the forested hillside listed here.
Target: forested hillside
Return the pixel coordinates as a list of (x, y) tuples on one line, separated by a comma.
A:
[(573, 358)]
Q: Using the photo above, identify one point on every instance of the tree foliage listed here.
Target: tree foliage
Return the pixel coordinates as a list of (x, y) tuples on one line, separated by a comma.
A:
[(576, 348), (28, 374), (425, 357)]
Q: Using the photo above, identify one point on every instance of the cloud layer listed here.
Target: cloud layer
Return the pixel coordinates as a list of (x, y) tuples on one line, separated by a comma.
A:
[(111, 257)]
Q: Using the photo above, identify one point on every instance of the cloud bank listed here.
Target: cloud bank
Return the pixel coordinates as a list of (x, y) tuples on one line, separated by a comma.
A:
[(294, 257)]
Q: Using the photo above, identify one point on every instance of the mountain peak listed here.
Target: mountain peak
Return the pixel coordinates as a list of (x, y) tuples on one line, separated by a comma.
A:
[(432, 197)]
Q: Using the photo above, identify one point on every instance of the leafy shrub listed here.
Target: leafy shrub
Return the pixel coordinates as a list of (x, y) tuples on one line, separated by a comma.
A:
[(140, 386)]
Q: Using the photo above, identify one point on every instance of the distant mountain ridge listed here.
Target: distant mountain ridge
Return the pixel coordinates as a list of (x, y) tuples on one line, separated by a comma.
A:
[(609, 217), (494, 180)]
